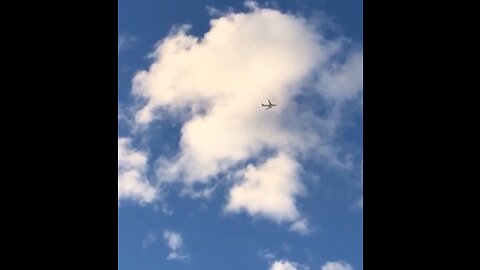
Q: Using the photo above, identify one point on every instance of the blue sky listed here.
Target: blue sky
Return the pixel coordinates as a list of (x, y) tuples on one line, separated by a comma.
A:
[(210, 180)]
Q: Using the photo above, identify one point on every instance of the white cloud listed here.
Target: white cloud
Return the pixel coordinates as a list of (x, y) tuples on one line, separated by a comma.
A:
[(343, 81), (266, 254), (301, 227), (283, 265), (268, 190), (252, 5), (213, 12), (244, 59), (215, 85), (339, 265), (174, 240), (132, 183), (173, 255), (175, 244), (287, 265)]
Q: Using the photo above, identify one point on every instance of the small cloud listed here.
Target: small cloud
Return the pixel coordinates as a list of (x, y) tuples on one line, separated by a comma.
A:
[(266, 254), (174, 240), (213, 12), (173, 255), (163, 208), (125, 41), (132, 183), (287, 265), (301, 226), (338, 265), (175, 244)]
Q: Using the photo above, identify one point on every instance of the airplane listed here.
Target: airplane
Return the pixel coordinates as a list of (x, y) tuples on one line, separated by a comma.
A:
[(269, 105)]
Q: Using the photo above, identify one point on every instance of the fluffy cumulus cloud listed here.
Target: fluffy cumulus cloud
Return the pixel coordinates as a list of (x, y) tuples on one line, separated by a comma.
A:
[(339, 265), (214, 85), (175, 244), (283, 265), (132, 183), (268, 190), (287, 265)]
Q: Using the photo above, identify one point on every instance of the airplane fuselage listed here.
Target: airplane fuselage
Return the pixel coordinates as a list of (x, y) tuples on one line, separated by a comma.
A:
[(269, 105)]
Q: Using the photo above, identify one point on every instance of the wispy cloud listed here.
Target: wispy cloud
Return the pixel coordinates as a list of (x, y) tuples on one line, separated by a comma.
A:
[(163, 207), (302, 227), (214, 12), (344, 80), (266, 254), (175, 244), (125, 41), (149, 239)]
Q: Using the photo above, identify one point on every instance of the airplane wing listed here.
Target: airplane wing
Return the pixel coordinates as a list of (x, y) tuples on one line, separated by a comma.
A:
[(269, 102), (268, 108)]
